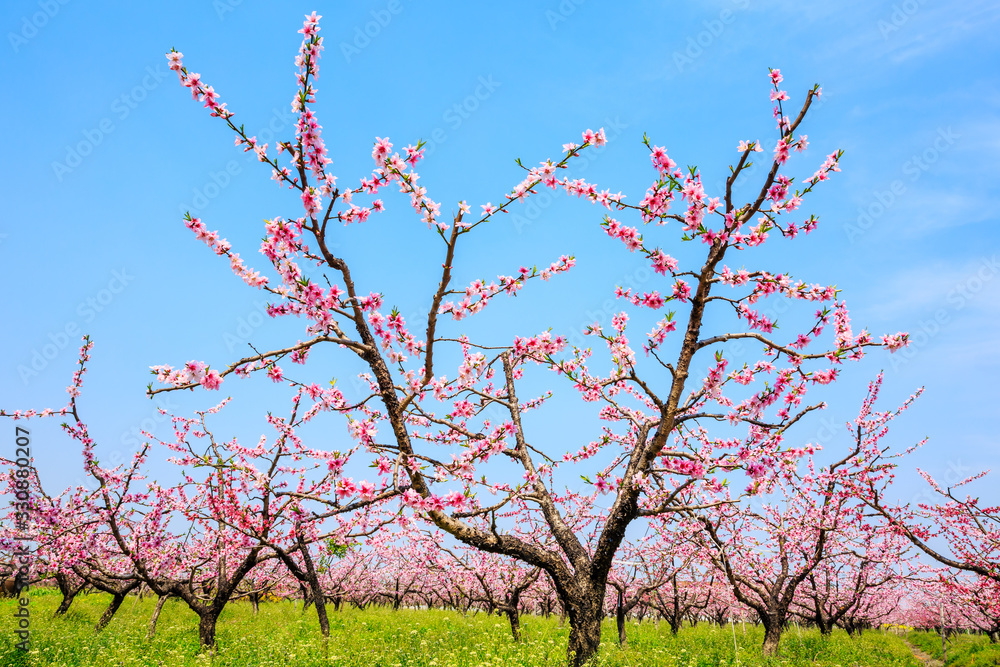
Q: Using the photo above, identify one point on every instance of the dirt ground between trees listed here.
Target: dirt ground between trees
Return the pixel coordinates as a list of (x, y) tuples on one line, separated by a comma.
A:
[(925, 659)]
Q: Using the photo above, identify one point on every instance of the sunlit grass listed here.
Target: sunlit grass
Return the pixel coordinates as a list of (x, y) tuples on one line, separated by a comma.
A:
[(282, 635), (963, 650)]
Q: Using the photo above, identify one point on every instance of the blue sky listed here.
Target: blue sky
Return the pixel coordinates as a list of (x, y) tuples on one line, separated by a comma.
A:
[(106, 150)]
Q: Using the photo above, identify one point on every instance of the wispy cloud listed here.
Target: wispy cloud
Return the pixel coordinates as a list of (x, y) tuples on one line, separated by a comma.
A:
[(970, 285), (932, 28)]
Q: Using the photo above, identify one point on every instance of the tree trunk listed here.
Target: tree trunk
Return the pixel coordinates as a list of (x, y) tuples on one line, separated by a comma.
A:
[(206, 629), (772, 636), (675, 616), (68, 595), (156, 616), (620, 619), (109, 613), (584, 630), (319, 599), (64, 605), (513, 601), (515, 622), (68, 592)]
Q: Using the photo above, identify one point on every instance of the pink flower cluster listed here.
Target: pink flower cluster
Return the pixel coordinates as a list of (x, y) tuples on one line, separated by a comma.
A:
[(831, 164), (223, 247), (652, 299), (537, 347), (193, 372), (479, 293), (896, 341), (630, 236), (199, 91), (307, 61), (395, 168), (545, 175), (392, 330), (659, 334), (307, 128), (435, 503), (663, 262)]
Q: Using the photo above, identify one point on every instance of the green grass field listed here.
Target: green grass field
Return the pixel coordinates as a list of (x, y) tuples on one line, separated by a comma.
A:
[(376, 637), (963, 650)]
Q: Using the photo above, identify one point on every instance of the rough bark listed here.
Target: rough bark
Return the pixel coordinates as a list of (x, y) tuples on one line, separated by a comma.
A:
[(511, 609), (584, 636), (156, 616), (109, 613), (67, 600), (308, 580), (68, 591), (206, 628), (306, 597), (772, 637), (312, 579), (515, 623)]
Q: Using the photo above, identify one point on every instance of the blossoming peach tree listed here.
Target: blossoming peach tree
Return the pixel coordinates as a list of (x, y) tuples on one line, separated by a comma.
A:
[(806, 521), (234, 511), (653, 456)]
